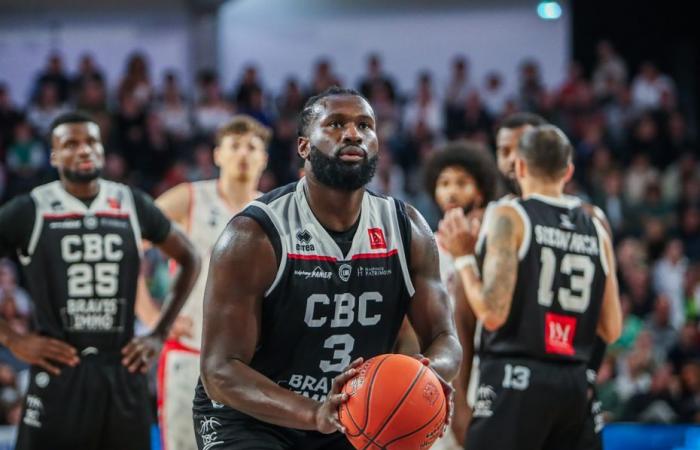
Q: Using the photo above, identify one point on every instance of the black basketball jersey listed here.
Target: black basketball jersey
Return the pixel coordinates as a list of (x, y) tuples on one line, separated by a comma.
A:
[(83, 264), (560, 282), (326, 308)]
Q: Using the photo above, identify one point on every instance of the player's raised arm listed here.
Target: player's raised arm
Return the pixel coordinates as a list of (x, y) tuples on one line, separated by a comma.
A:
[(430, 312), (243, 266), (491, 295)]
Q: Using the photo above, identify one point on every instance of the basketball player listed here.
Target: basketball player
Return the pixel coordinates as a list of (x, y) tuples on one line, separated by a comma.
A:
[(79, 242), (507, 138), (460, 175), (308, 281), (204, 208), (537, 341)]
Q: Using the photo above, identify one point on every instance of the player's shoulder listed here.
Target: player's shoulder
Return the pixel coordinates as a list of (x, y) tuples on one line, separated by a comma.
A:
[(22, 203), (278, 194)]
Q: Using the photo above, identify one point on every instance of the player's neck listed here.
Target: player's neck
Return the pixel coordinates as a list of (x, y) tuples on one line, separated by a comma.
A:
[(337, 210), (82, 190), (554, 190), (237, 193)]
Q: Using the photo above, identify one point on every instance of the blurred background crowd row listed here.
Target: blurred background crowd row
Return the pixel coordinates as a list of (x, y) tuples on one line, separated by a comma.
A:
[(636, 158)]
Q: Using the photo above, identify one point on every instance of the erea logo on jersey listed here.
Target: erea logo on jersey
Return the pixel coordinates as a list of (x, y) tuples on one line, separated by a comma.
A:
[(376, 238)]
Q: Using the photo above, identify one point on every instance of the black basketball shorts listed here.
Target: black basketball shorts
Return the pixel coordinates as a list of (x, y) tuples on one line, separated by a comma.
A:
[(97, 405), (525, 404), (592, 438), (219, 427)]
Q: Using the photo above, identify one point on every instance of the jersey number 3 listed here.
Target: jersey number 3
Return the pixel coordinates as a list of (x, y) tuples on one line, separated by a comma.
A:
[(580, 270)]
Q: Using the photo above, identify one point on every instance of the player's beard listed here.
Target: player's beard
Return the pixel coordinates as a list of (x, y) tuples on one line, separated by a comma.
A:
[(337, 174), (82, 177), (511, 185)]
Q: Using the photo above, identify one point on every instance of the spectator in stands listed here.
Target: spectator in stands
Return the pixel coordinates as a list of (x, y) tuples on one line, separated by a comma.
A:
[(204, 167), (26, 159), (423, 109), (639, 175), (291, 101), (611, 405), (248, 87), (494, 94), (610, 72), (663, 333), (649, 87), (256, 108), (136, 80), (173, 110), (87, 72), (669, 275), (612, 202), (47, 107), (375, 78), (459, 86), (323, 77), (129, 130), (531, 90), (690, 392), (283, 151), (9, 116), (686, 347), (15, 304), (690, 232), (212, 110), (658, 404), (54, 75)]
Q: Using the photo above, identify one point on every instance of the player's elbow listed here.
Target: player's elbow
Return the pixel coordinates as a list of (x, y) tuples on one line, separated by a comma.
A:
[(610, 327), (493, 322), (610, 331), (191, 261), (218, 380)]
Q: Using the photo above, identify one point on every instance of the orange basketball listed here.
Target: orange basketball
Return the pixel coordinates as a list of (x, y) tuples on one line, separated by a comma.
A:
[(396, 403)]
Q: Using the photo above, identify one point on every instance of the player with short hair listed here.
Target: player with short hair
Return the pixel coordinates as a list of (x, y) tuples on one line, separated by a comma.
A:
[(508, 135), (537, 339), (306, 282), (203, 208), (79, 241)]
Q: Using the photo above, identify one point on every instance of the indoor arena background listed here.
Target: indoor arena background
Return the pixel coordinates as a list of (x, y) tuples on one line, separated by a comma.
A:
[(620, 79)]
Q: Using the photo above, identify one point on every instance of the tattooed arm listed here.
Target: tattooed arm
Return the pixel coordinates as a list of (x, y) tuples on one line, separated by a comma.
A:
[(491, 295)]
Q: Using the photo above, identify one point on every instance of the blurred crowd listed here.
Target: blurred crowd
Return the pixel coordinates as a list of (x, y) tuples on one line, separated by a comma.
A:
[(636, 158)]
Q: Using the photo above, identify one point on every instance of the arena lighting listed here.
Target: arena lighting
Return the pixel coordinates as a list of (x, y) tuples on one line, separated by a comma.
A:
[(549, 10)]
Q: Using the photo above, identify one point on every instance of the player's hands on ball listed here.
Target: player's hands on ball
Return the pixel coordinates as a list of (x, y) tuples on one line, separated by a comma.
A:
[(458, 233), (43, 352), (327, 420), (447, 389), (140, 352)]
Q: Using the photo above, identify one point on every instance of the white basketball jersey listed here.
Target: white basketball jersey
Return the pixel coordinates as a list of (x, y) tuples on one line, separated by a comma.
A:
[(447, 270), (209, 214)]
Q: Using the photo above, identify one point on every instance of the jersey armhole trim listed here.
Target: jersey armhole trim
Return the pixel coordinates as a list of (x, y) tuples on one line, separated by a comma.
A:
[(283, 257), (602, 238), (133, 218), (527, 229), (36, 233), (402, 254), (481, 238)]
